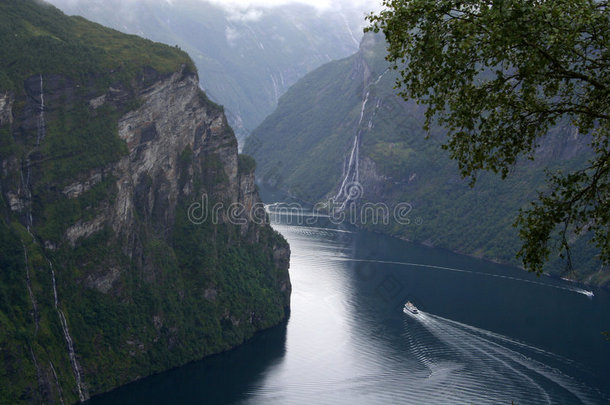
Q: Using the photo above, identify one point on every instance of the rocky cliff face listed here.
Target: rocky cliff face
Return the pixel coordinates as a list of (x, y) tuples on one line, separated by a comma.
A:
[(132, 238), (179, 151), (6, 108)]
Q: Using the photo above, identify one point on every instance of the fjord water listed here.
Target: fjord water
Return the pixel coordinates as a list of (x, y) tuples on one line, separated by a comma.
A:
[(486, 334)]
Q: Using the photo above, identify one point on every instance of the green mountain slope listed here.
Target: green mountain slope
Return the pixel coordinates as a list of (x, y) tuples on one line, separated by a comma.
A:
[(246, 57), (106, 273), (304, 147)]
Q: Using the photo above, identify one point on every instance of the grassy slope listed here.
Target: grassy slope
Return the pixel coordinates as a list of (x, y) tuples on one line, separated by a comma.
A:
[(39, 38)]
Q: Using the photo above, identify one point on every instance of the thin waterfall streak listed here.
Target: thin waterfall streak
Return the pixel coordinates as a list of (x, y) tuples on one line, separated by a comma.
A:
[(25, 187), (41, 120), (27, 190), (59, 391), (30, 291), (33, 357), (35, 361), (349, 168), (357, 165), (352, 173), (381, 75), (349, 30), (54, 283), (67, 337), (72, 354), (275, 88)]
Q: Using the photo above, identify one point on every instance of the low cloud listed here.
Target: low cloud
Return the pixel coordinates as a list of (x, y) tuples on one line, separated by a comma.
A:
[(252, 7), (323, 5), (250, 14), (231, 34)]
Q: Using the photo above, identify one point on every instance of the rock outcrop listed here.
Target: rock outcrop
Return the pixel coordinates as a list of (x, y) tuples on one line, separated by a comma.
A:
[(6, 108)]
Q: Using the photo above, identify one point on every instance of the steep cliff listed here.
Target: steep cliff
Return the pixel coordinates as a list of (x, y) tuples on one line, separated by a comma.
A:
[(344, 125), (131, 232)]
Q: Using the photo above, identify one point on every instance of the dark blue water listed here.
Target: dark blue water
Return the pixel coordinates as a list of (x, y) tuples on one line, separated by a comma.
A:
[(486, 334)]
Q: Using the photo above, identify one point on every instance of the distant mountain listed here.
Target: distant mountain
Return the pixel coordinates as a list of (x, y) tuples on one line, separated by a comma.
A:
[(246, 58), (343, 124)]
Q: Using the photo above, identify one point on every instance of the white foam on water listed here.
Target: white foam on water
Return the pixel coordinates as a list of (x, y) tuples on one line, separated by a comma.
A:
[(490, 365)]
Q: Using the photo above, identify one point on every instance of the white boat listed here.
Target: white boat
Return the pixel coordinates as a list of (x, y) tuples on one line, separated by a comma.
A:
[(587, 293), (409, 307)]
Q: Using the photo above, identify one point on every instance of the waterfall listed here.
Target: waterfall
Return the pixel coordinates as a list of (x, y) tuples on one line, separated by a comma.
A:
[(25, 166), (69, 342), (30, 292), (276, 94), (54, 284), (38, 373), (351, 173), (349, 30), (41, 122), (61, 396), (27, 195), (350, 189)]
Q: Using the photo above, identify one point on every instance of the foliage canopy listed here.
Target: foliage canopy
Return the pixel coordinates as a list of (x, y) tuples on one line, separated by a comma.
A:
[(498, 75)]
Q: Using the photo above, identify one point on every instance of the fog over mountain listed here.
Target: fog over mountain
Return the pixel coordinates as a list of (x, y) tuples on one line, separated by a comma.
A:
[(248, 53)]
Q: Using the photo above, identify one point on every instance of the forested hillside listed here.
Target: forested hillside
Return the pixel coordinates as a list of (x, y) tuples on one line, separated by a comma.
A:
[(305, 147)]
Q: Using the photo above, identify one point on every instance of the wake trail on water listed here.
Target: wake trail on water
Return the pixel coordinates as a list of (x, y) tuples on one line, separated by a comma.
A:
[(487, 364), (453, 269), (448, 362), (312, 230)]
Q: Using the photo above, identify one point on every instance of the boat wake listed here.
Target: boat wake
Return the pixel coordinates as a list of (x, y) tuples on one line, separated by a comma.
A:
[(584, 292), (453, 269), (565, 285), (479, 366), (426, 359)]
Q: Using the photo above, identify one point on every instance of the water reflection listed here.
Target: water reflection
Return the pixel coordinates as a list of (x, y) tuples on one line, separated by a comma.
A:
[(319, 357), (486, 334), (222, 379)]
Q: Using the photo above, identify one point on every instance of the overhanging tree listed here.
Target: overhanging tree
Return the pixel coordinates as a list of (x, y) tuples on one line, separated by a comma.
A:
[(498, 75)]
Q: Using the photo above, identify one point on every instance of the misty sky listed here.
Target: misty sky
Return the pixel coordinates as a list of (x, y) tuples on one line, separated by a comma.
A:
[(320, 4), (245, 4), (239, 9)]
